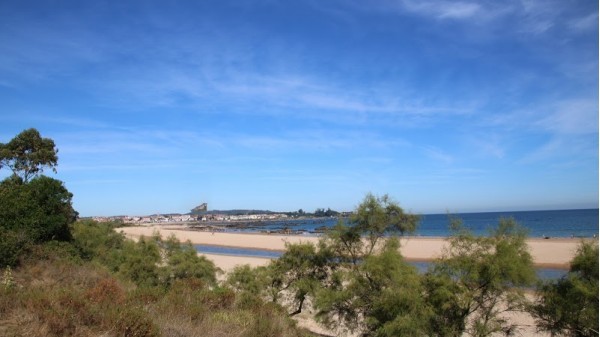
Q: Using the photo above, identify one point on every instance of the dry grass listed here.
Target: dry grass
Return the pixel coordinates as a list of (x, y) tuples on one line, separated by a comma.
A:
[(60, 297)]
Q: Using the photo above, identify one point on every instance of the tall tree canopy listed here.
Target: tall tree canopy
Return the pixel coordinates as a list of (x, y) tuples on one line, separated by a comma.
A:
[(33, 208), (27, 154)]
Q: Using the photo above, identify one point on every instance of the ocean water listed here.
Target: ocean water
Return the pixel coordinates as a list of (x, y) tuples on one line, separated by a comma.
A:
[(558, 223)]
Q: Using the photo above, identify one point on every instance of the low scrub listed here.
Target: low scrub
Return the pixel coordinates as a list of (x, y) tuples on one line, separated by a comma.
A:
[(62, 294)]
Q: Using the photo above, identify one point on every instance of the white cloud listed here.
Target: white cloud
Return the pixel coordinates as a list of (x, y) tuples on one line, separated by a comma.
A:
[(573, 117), (551, 150), (438, 155), (490, 144), (315, 140), (443, 9), (584, 23)]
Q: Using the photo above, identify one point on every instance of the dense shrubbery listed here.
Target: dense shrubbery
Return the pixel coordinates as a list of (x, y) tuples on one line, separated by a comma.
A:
[(41, 209), (32, 213), (147, 262), (569, 306), (103, 284)]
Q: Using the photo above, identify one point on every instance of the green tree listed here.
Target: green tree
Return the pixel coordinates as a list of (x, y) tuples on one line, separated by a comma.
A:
[(41, 208), (380, 296), (27, 154), (33, 208), (298, 273), (368, 226), (569, 306), (370, 288), (478, 279)]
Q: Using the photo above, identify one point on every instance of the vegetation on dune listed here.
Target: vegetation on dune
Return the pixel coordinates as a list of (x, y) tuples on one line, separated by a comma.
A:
[(478, 279), (59, 296), (356, 280), (67, 278), (102, 284), (569, 306)]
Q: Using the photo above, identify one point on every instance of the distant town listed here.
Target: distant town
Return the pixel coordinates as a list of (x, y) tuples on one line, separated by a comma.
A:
[(183, 218), (201, 214)]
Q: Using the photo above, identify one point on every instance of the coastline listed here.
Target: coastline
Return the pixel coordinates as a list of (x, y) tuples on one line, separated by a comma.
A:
[(546, 253)]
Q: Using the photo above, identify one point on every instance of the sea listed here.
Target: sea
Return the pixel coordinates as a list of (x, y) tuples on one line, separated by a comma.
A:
[(578, 223)]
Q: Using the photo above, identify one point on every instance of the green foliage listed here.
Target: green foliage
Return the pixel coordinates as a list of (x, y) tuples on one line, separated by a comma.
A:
[(148, 262), (138, 262), (379, 297), (478, 279), (183, 261), (355, 277), (245, 279), (27, 154), (374, 218), (569, 306), (321, 212), (97, 241), (13, 244), (299, 272), (42, 208), (32, 213), (31, 210), (378, 215)]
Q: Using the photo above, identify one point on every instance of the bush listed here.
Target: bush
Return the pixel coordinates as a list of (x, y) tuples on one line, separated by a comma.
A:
[(569, 306), (12, 246), (133, 322), (36, 210), (41, 208)]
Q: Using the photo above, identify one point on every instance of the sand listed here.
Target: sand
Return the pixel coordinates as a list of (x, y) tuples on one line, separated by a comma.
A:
[(228, 262), (550, 253)]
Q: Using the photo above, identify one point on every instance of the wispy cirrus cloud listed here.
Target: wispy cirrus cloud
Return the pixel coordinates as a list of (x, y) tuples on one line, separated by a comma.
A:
[(490, 144), (438, 155), (566, 129), (305, 96), (443, 9), (523, 16), (571, 117), (584, 23)]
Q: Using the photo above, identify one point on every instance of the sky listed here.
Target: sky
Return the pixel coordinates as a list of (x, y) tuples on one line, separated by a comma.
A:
[(446, 106)]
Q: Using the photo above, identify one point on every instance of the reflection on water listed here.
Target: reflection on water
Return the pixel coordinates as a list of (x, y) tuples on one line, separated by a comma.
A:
[(542, 273), (208, 249)]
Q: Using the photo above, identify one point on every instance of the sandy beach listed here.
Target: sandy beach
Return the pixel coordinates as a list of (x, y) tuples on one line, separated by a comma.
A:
[(550, 253)]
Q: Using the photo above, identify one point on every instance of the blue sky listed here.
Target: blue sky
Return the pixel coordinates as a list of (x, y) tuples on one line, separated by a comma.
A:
[(444, 105)]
